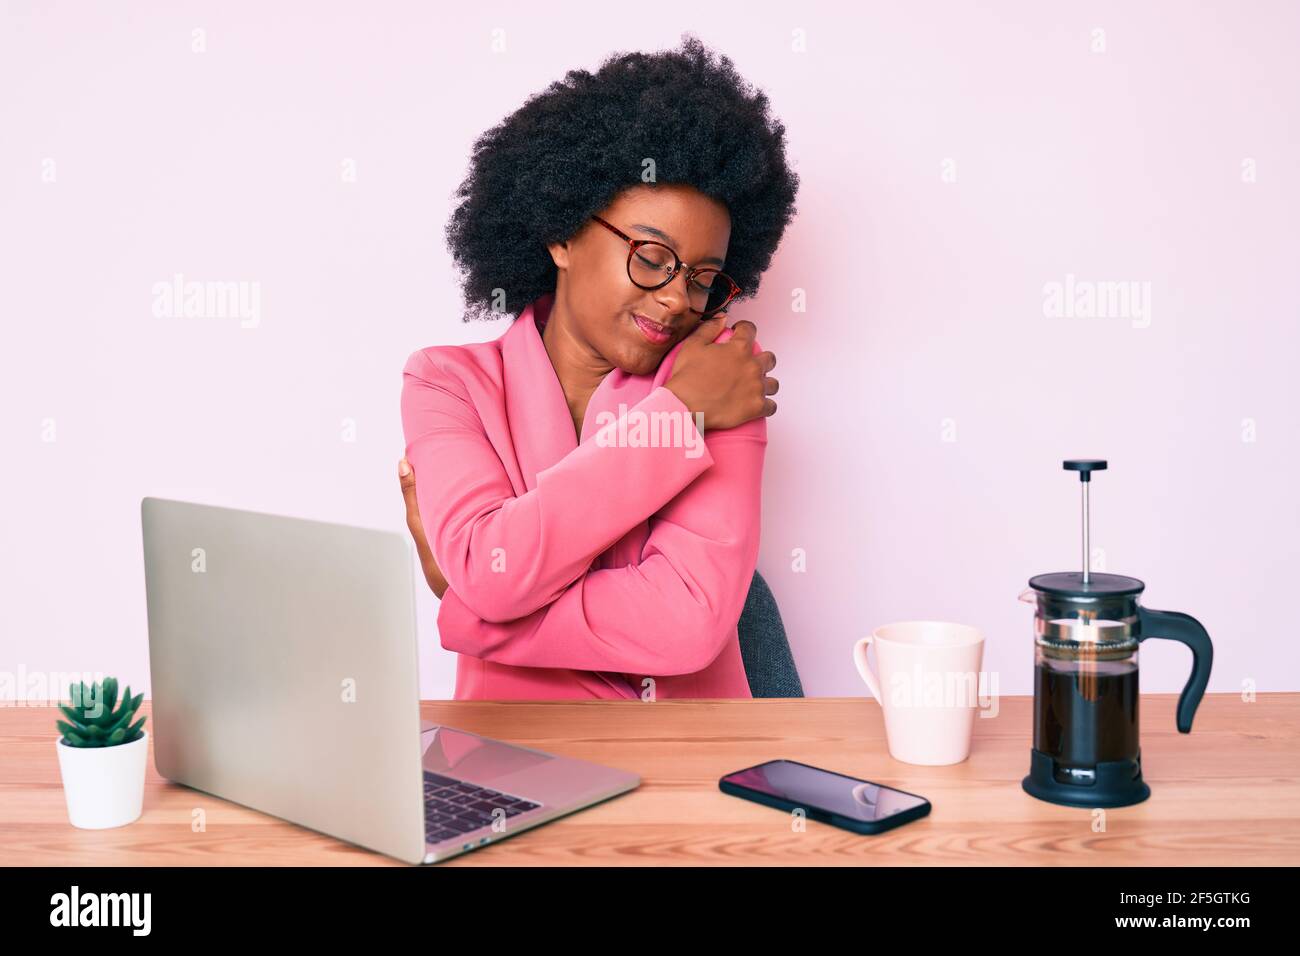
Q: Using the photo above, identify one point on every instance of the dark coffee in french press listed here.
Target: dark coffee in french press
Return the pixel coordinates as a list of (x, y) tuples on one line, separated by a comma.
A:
[(1087, 628), (1086, 718)]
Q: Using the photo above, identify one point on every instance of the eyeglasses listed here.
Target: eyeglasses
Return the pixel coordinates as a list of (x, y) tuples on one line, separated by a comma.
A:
[(652, 265)]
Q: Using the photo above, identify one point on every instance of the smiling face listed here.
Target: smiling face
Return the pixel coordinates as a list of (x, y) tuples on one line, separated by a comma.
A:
[(596, 300)]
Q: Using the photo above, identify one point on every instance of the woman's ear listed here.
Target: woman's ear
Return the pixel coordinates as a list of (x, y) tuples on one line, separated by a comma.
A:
[(559, 254)]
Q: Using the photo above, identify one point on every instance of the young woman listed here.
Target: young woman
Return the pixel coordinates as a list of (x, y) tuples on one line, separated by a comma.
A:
[(584, 491)]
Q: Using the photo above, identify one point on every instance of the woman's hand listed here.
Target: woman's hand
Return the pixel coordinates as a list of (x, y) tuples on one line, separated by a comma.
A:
[(724, 380), (406, 476)]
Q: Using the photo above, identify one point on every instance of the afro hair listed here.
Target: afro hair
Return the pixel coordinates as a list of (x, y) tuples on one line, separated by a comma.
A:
[(568, 151)]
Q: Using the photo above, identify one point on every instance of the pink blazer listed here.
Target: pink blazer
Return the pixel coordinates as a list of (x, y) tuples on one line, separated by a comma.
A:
[(576, 570)]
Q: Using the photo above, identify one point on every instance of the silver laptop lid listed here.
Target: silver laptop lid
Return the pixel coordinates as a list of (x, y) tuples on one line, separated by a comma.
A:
[(284, 668)]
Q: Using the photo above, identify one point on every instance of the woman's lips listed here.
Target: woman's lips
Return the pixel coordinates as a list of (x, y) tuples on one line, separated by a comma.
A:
[(653, 331)]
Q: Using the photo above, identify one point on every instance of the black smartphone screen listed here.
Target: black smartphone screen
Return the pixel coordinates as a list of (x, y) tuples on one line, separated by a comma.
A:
[(836, 793)]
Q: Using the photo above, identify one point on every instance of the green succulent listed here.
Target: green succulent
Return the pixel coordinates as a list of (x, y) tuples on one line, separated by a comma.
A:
[(98, 719)]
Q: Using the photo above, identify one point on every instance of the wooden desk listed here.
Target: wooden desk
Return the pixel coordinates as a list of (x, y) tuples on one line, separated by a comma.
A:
[(1226, 794)]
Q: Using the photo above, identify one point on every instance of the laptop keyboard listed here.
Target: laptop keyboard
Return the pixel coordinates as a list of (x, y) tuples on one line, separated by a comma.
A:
[(453, 808)]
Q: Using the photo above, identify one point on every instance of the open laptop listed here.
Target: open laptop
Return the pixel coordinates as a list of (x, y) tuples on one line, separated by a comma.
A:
[(285, 677)]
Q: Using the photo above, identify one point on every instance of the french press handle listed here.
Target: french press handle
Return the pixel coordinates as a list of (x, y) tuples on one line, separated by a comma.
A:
[(1176, 626)]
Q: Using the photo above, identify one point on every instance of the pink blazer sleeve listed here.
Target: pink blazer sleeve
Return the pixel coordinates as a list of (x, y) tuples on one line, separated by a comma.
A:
[(504, 555), (670, 613)]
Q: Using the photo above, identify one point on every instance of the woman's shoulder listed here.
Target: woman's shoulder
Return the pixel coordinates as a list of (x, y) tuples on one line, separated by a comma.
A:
[(457, 366)]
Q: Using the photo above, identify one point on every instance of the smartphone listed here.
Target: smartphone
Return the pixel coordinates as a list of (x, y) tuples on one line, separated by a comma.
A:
[(841, 801)]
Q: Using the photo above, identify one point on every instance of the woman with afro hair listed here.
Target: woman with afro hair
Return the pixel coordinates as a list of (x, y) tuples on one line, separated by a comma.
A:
[(584, 491)]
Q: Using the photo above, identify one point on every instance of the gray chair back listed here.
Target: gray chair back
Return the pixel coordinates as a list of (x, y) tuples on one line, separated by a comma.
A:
[(769, 665)]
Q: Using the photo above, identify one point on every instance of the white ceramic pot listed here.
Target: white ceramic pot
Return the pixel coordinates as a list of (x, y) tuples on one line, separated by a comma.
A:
[(104, 786)]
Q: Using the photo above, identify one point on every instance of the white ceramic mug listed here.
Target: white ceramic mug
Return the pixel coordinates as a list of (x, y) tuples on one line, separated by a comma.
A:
[(928, 687)]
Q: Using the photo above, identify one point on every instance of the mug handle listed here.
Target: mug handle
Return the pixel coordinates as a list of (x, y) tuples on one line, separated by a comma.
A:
[(1177, 626), (860, 658)]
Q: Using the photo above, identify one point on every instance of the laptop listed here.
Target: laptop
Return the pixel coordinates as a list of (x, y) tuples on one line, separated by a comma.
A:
[(285, 677)]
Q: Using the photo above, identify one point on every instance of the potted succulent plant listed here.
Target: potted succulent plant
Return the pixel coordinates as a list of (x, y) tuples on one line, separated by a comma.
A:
[(102, 756)]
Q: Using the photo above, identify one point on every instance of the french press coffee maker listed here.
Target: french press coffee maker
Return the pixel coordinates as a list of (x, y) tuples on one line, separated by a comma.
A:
[(1087, 629)]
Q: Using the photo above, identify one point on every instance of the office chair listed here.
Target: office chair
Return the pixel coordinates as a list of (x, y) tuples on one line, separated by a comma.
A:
[(769, 665)]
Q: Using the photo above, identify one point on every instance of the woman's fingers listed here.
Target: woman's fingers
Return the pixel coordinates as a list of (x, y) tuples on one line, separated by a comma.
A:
[(770, 385), (432, 574), (406, 477), (744, 330)]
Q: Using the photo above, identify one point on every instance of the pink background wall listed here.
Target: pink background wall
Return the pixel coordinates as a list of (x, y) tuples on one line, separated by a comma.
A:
[(955, 159)]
